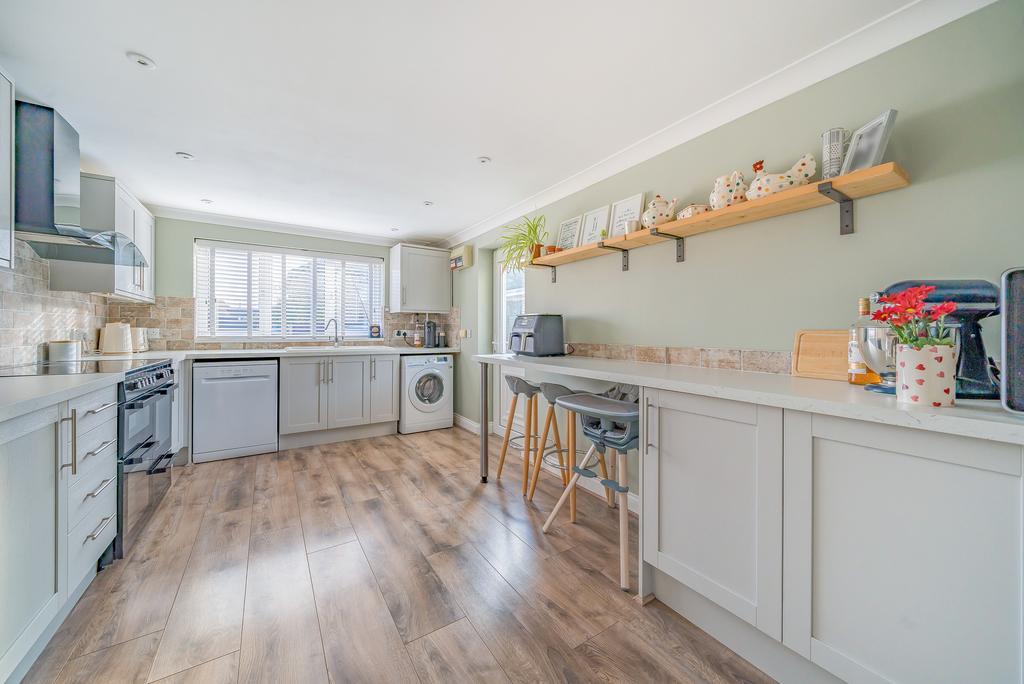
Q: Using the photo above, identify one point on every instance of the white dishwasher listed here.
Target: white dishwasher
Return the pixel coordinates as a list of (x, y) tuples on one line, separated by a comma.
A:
[(234, 409)]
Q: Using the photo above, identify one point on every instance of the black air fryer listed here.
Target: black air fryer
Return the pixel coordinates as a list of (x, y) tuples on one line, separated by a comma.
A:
[(976, 373)]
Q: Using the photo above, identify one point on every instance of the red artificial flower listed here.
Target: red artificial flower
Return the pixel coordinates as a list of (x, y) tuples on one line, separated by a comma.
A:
[(937, 311)]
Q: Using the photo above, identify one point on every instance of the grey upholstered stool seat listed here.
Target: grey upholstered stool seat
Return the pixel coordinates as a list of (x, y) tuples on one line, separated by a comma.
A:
[(519, 386), (551, 392), (610, 423)]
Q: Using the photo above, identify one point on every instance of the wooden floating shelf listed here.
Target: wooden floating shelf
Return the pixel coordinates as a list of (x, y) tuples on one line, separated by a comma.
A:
[(863, 183)]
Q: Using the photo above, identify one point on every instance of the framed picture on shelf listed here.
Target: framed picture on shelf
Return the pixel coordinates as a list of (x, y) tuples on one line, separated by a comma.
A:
[(867, 145), (623, 211), (569, 233), (595, 222)]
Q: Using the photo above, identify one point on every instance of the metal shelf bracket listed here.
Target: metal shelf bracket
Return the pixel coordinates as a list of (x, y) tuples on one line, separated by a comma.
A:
[(625, 253), (845, 206), (680, 244)]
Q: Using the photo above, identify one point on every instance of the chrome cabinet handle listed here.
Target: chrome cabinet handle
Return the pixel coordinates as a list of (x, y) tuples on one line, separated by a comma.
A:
[(74, 442), (331, 365), (93, 412), (94, 535), (373, 368), (403, 294), (99, 490), (323, 373), (100, 448)]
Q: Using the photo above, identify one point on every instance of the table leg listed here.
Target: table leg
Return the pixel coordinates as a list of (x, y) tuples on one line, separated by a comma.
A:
[(484, 371)]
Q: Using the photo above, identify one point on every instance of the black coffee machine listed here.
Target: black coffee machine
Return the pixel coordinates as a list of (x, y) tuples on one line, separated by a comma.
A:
[(977, 376)]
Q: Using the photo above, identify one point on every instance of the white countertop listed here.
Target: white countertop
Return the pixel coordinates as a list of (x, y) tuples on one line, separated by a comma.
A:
[(21, 395), (981, 419), (360, 350)]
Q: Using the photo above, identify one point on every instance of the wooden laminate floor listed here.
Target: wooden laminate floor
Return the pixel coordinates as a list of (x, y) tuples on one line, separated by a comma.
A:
[(380, 560)]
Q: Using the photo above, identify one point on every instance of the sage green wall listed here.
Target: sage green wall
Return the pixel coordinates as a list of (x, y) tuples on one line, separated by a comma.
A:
[(175, 238), (959, 133)]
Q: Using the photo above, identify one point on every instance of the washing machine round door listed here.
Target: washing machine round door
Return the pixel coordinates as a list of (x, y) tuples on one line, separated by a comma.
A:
[(427, 390)]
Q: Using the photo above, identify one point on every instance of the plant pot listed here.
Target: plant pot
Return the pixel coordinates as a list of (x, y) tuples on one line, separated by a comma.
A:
[(536, 251), (926, 376), (549, 249)]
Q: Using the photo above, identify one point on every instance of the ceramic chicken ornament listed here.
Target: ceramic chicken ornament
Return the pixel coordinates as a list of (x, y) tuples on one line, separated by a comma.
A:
[(659, 210), (728, 190), (765, 184)]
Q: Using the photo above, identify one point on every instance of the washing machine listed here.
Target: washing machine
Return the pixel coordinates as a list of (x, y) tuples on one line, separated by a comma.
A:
[(427, 393)]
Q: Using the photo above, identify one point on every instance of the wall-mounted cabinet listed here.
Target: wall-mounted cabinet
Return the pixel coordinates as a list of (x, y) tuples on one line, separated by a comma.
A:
[(108, 206), (6, 171), (421, 281)]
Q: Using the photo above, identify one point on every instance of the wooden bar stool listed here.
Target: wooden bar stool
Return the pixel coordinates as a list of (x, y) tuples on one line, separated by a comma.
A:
[(551, 392), (609, 424), (529, 439)]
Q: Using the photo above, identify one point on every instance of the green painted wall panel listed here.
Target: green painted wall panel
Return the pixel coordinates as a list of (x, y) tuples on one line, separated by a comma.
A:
[(960, 135)]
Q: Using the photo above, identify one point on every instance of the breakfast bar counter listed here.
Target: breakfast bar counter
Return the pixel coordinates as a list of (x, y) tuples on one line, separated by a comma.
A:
[(978, 419)]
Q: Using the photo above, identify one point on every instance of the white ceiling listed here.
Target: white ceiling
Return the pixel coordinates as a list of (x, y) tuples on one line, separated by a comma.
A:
[(346, 116)]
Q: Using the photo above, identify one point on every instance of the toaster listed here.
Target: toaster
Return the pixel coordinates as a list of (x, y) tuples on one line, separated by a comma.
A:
[(537, 335)]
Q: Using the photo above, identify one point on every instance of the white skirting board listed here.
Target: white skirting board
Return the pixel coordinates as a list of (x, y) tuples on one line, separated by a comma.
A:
[(318, 437), (591, 485)]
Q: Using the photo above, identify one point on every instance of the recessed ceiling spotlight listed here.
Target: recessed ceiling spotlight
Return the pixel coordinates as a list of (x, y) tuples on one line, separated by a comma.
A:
[(428, 203), (394, 230), (206, 201), (185, 155), (141, 61), (484, 160)]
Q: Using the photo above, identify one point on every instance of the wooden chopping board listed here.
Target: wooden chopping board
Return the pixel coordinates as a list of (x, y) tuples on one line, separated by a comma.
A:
[(821, 354)]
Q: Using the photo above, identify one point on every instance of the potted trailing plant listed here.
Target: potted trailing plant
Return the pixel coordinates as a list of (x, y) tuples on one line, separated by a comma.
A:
[(523, 242), (925, 347)]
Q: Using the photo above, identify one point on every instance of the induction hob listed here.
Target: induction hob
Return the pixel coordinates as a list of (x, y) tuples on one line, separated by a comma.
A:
[(81, 367)]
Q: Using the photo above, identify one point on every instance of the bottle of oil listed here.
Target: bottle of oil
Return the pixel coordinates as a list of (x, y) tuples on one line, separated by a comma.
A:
[(859, 373)]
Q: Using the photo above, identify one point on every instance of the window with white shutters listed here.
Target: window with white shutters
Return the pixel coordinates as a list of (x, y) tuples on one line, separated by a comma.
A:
[(267, 293)]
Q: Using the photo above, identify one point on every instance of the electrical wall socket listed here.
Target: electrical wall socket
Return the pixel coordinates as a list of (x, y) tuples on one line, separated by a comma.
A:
[(465, 333), (403, 333)]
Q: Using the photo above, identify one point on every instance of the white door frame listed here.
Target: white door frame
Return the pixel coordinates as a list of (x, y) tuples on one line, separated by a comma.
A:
[(500, 395)]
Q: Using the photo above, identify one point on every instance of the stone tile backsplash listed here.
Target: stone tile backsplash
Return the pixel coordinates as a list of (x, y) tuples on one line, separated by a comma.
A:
[(31, 314), (170, 325), (698, 357)]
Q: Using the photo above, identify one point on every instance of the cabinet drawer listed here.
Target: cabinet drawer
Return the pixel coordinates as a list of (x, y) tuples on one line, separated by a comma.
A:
[(91, 536), (94, 408), (85, 495), (96, 446)]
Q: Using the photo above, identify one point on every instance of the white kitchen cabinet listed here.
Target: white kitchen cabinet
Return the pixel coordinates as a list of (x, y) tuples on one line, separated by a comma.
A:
[(385, 372), (33, 531), (348, 380), (145, 227), (6, 171), (338, 391), (712, 501), (108, 206), (304, 394), (903, 553), (421, 281)]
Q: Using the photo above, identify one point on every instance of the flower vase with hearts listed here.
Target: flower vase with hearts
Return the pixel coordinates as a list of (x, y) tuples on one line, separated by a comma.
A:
[(925, 350)]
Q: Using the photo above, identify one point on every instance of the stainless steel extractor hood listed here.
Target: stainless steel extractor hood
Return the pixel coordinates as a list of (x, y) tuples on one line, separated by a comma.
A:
[(47, 188)]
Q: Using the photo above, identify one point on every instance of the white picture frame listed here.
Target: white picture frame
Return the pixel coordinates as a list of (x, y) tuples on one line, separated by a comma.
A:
[(623, 211), (568, 235), (594, 222), (867, 144)]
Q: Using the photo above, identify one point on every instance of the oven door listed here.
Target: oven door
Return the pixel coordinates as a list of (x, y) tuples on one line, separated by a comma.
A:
[(144, 466)]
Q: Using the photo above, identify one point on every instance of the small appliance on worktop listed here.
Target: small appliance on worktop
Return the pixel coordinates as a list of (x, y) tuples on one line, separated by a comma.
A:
[(537, 335)]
